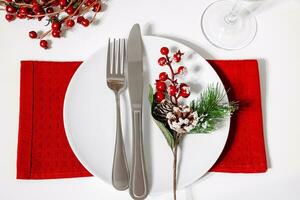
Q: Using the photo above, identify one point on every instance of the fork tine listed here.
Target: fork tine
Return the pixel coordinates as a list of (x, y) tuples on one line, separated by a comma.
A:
[(114, 69), (108, 66), (119, 56), (124, 56)]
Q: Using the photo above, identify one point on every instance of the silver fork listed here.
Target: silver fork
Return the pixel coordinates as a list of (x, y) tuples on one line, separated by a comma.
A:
[(116, 81)]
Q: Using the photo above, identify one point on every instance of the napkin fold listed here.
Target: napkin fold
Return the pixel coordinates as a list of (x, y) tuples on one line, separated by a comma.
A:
[(43, 149)]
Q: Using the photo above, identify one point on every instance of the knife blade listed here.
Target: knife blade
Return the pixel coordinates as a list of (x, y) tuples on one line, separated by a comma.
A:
[(138, 185), (135, 66)]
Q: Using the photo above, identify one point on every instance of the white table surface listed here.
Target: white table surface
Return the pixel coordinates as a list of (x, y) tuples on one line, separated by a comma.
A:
[(277, 45)]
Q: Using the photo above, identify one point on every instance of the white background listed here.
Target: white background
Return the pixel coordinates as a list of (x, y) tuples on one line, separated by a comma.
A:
[(277, 45)]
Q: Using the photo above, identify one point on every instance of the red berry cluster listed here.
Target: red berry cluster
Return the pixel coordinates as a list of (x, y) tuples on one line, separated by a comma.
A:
[(167, 84), (61, 14)]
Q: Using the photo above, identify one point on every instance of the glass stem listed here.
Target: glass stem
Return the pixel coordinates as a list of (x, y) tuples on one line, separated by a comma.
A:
[(232, 16)]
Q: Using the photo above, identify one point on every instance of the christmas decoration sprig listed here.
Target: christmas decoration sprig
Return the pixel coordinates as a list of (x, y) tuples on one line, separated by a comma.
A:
[(177, 119), (211, 109), (61, 14)]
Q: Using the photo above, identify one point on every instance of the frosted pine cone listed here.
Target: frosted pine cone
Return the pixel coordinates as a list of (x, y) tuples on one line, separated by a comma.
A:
[(182, 119), (161, 110)]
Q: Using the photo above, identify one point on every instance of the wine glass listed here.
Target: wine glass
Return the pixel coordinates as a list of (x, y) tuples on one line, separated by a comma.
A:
[(228, 24)]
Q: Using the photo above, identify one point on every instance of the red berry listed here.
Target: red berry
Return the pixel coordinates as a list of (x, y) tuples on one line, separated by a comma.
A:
[(97, 7), (162, 61), (32, 34), (23, 10), (44, 44), (163, 76), (164, 51), (9, 17), (56, 33), (41, 14), (55, 25), (27, 1), (85, 22), (70, 10), (49, 10), (63, 3), (89, 2), (36, 8), (70, 23), (8, 1), (159, 96), (10, 9), (21, 16), (177, 57), (184, 90), (30, 13), (185, 94), (172, 90), (160, 86), (183, 85), (80, 19), (181, 70), (55, 3)]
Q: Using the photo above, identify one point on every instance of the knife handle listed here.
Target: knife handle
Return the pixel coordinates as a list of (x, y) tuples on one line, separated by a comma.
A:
[(138, 186)]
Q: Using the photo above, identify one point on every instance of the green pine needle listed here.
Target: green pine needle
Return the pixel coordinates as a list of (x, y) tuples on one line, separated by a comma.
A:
[(211, 109)]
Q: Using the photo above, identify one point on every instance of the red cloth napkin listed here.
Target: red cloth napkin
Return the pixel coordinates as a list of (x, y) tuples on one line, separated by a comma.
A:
[(43, 149)]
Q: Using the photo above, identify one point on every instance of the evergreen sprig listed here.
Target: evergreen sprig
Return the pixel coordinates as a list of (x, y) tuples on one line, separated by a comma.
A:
[(211, 109)]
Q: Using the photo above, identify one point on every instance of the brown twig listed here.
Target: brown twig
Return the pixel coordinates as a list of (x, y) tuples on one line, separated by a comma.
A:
[(24, 5), (2, 3), (45, 34), (54, 13), (175, 168), (86, 9), (94, 17), (172, 79), (79, 6), (48, 3)]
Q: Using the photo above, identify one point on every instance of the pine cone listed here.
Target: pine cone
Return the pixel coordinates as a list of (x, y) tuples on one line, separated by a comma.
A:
[(182, 119), (161, 110)]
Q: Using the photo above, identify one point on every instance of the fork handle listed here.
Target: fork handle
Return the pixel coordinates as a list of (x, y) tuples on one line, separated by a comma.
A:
[(120, 172), (138, 187)]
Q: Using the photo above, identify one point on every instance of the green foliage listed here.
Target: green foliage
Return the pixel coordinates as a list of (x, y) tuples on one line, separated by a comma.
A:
[(166, 132), (211, 109), (150, 95)]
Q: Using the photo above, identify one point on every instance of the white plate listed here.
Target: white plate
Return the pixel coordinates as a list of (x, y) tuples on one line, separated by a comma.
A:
[(89, 119)]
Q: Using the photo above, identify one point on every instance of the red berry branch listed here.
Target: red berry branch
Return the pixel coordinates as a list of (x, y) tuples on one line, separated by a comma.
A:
[(167, 83), (176, 118), (61, 14)]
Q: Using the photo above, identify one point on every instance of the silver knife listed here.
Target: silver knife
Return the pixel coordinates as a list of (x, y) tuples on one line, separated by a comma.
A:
[(138, 185)]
